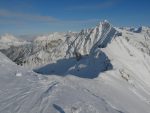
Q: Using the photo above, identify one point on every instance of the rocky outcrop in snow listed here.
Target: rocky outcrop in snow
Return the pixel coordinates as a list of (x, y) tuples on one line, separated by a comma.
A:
[(87, 41)]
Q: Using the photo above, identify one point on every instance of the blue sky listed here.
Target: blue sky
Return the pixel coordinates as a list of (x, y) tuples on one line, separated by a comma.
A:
[(43, 16)]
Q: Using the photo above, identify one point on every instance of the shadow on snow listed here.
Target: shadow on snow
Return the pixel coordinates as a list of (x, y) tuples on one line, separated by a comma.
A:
[(87, 67)]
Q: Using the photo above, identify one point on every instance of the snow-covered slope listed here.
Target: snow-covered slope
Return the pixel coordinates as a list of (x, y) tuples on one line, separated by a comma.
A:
[(100, 70), (123, 89), (23, 91), (140, 40)]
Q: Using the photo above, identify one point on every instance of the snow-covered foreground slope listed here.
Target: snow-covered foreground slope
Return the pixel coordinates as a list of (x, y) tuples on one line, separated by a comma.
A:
[(101, 70), (23, 91), (125, 89)]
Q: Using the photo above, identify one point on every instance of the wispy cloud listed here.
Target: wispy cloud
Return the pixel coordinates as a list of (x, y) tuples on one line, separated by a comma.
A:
[(102, 5), (16, 16), (10, 17)]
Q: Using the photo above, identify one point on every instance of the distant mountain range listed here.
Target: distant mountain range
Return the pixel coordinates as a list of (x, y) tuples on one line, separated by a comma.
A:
[(45, 49)]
